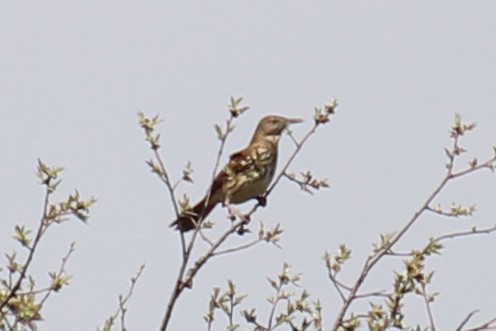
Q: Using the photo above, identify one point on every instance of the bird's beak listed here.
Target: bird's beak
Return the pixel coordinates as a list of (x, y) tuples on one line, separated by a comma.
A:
[(293, 120)]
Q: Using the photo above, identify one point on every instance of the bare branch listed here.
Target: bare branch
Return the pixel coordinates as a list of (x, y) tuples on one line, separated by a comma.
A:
[(428, 308), (337, 285), (61, 272), (238, 248), (466, 320), (32, 249), (489, 325), (299, 145), (121, 310), (386, 249)]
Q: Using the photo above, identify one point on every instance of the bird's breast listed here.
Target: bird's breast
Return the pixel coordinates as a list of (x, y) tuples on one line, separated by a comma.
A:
[(253, 181)]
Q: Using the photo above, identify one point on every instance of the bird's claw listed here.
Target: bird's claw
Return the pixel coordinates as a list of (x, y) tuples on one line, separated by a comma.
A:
[(242, 230), (262, 201)]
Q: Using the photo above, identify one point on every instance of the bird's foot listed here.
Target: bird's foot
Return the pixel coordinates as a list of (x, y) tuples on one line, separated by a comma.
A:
[(231, 213), (262, 200), (242, 230)]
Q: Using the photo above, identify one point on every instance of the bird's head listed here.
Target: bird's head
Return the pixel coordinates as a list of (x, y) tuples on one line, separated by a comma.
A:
[(271, 127)]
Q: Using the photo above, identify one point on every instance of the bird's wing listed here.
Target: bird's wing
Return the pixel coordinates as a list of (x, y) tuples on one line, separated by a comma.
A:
[(238, 163), (241, 162)]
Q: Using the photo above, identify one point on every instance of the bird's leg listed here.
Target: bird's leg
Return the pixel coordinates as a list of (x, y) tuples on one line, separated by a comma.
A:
[(245, 219), (231, 212)]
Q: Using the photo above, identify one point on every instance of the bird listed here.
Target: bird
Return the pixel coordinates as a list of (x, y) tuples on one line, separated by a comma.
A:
[(247, 174)]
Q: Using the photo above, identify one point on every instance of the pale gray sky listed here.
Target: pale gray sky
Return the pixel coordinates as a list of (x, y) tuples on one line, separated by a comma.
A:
[(73, 75)]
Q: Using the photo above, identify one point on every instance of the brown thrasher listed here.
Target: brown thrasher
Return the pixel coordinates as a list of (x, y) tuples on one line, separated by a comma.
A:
[(247, 175)]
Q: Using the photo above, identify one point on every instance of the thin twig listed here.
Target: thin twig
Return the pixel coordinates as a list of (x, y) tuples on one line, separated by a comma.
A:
[(32, 249), (170, 188), (445, 213), (486, 165), (60, 272), (337, 285), (237, 248), (220, 152), (204, 258), (466, 319), (180, 282), (428, 308), (230, 313), (123, 300), (303, 185), (166, 180), (380, 293), (473, 231), (489, 325), (293, 139), (205, 238), (188, 280), (274, 306), (373, 259), (299, 145)]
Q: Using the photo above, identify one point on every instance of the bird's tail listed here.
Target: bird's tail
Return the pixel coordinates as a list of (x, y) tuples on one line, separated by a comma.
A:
[(197, 213)]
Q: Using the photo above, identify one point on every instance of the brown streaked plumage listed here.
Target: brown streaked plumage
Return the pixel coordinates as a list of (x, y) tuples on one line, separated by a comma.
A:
[(247, 175)]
